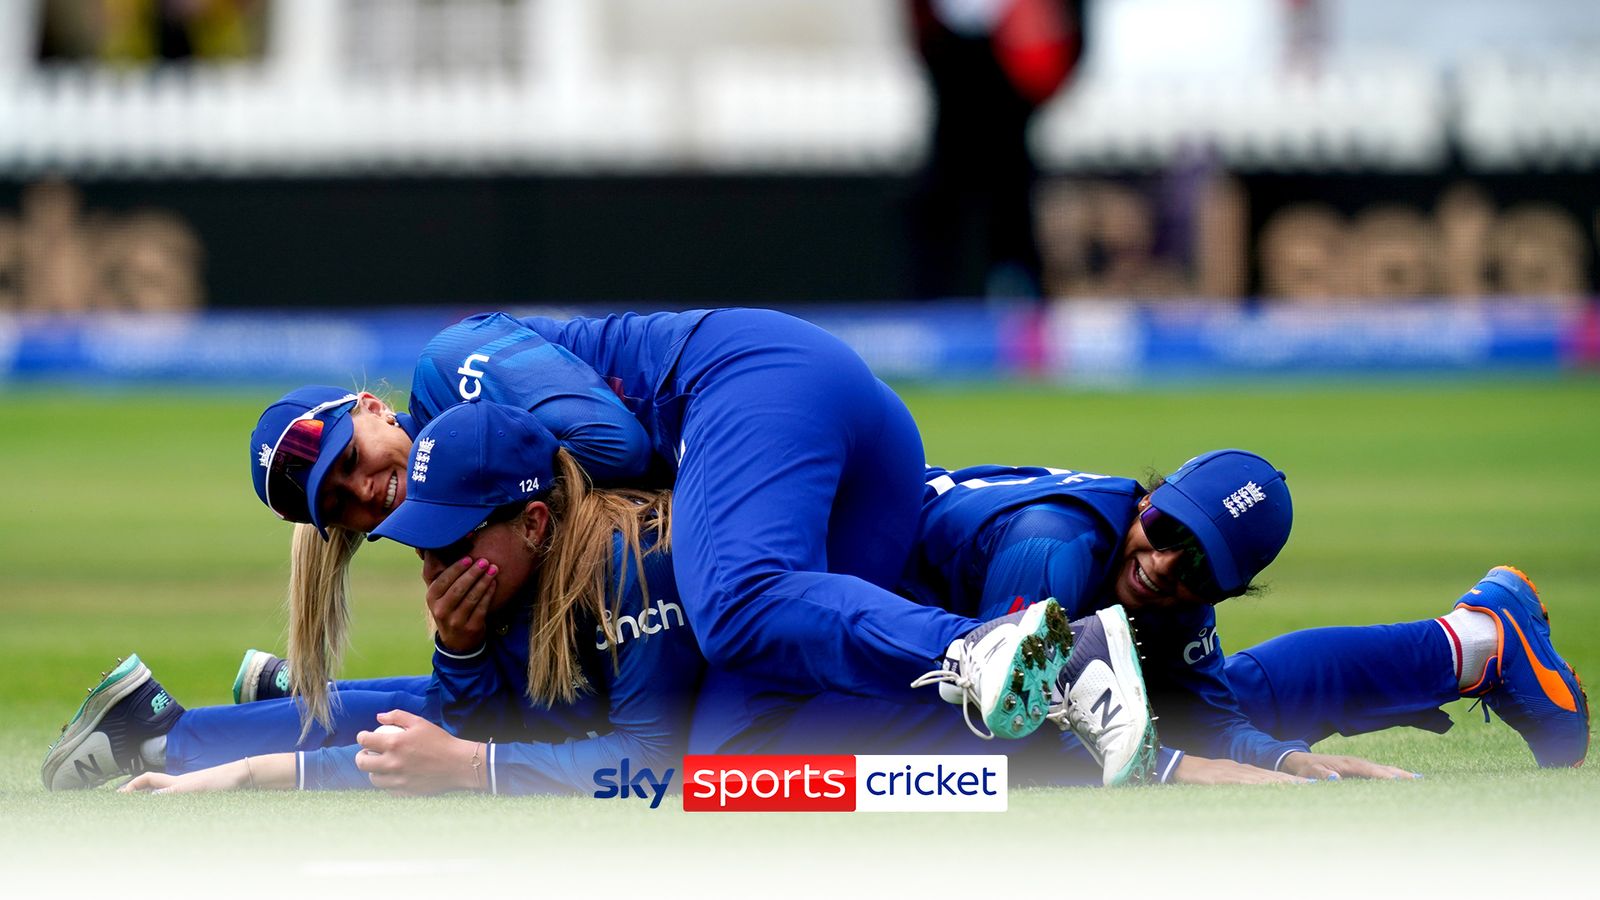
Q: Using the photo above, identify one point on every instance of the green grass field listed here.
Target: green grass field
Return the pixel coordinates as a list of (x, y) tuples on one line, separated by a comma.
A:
[(127, 525)]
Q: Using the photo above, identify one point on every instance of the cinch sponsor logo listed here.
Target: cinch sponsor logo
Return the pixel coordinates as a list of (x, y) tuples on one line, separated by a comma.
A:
[(1244, 498), (839, 783), (471, 384), (624, 781), (1201, 647), (649, 620)]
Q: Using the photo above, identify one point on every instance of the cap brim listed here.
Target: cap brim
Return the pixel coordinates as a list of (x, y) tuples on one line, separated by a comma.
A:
[(1170, 500), (334, 440), (428, 526)]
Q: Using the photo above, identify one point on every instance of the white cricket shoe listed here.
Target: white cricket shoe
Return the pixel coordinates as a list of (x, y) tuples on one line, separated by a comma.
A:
[(1101, 697), (1005, 669)]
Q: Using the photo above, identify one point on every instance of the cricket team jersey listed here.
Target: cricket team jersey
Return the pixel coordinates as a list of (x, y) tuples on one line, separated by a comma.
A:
[(995, 539), (796, 472), (601, 386), (635, 705)]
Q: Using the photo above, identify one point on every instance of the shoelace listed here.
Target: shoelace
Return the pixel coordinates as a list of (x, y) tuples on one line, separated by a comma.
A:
[(969, 693)]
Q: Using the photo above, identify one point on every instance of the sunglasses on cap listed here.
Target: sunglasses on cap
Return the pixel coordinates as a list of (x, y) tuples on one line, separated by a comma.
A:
[(293, 456), (1193, 571)]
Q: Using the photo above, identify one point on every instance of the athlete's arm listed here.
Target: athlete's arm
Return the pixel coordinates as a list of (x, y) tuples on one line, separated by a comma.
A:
[(471, 694), (270, 772), (1193, 769), (495, 357), (1044, 551), (1184, 668), (1323, 765), (650, 692), (466, 685)]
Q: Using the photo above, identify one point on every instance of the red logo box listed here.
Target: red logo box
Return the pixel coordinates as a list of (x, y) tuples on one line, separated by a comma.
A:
[(793, 783)]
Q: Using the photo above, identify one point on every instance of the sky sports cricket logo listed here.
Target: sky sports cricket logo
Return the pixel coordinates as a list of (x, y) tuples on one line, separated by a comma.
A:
[(814, 783)]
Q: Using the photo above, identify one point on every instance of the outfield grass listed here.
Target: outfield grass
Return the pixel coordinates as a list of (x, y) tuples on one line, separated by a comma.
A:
[(127, 525)]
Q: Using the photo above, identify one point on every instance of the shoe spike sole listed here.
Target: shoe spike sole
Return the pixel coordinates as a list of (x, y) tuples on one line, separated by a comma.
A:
[(1024, 702), (100, 700)]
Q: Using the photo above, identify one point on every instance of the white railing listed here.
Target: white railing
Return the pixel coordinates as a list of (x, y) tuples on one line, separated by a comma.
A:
[(556, 100)]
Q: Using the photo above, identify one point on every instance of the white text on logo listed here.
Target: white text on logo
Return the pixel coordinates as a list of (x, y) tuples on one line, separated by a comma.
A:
[(469, 392), (639, 624)]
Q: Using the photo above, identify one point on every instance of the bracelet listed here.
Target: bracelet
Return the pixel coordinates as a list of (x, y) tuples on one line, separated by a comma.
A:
[(477, 767), (249, 770)]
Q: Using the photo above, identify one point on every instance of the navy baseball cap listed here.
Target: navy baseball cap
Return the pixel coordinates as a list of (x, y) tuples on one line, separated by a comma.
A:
[(1237, 504), (294, 443), (473, 459)]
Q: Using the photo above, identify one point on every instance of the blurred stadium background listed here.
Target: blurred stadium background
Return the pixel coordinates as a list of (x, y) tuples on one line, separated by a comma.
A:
[(1235, 186), (1076, 233)]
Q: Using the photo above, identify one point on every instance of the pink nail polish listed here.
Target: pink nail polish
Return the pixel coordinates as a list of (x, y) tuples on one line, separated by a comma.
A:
[(483, 564), (493, 569), (465, 560)]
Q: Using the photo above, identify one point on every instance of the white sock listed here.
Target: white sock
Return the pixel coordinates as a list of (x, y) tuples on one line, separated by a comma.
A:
[(1474, 637), (154, 753)]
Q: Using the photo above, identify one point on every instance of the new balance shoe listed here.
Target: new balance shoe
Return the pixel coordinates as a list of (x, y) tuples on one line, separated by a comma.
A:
[(1528, 685), (262, 676), (1101, 697), (1004, 669), (103, 739)]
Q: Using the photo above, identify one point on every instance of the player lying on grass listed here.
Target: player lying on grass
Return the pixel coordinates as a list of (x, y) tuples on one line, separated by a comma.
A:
[(509, 659), (797, 476), (530, 566), (996, 539)]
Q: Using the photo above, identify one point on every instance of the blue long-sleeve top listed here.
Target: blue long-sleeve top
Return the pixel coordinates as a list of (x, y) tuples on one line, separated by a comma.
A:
[(637, 708), (993, 539), (601, 385)]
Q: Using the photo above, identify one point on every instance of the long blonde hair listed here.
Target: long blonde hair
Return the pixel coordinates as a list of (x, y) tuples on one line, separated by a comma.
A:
[(575, 580), (575, 576), (319, 616)]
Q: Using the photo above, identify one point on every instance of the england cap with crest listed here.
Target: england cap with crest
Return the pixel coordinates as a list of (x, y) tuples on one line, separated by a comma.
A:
[(469, 461)]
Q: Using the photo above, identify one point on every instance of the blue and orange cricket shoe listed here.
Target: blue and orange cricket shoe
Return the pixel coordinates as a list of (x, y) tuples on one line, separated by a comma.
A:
[(1528, 685)]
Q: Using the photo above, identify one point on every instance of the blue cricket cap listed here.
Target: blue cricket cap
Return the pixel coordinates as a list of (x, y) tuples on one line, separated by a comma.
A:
[(473, 459), (294, 443), (1237, 504)]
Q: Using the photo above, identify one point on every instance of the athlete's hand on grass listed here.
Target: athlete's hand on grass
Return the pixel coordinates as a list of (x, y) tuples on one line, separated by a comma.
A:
[(274, 771), (1199, 770), (458, 600), (216, 778), (423, 759), (1322, 766)]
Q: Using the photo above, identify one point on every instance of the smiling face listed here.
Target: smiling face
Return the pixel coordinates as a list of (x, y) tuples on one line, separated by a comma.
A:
[(1147, 578), (368, 480)]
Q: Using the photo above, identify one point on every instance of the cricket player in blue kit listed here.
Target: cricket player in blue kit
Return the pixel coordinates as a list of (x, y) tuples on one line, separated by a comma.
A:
[(994, 539), (796, 476), (570, 647), (796, 473)]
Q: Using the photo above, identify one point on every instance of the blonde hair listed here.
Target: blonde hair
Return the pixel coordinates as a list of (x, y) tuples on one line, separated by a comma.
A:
[(575, 575), (319, 615), (574, 582)]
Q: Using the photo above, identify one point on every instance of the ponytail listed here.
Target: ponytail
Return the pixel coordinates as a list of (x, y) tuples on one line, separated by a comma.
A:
[(576, 577)]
